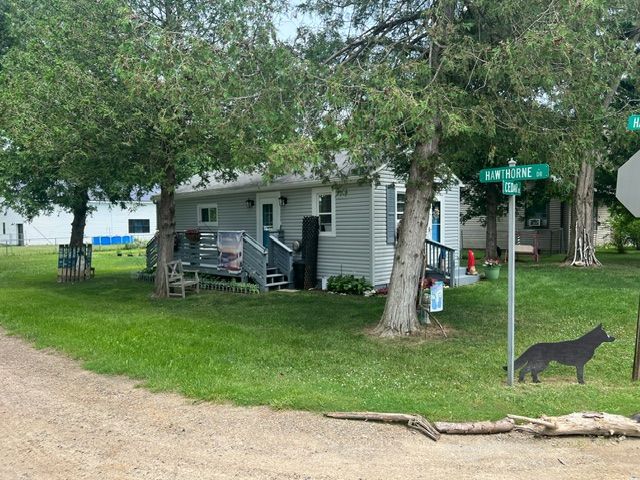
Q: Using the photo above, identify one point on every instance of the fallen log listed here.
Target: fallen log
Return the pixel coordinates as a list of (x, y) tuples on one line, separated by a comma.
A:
[(580, 423), (416, 422), (475, 428)]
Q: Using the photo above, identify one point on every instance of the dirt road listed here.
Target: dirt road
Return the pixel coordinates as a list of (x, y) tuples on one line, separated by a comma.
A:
[(58, 421)]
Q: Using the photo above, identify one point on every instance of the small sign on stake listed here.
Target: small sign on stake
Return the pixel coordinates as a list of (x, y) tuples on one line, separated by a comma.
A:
[(437, 297)]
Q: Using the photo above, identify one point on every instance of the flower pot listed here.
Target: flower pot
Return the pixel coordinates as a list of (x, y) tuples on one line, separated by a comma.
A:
[(492, 273), (192, 235)]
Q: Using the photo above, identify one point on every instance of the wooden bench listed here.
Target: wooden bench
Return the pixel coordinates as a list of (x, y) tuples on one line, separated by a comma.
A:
[(526, 249), (176, 279)]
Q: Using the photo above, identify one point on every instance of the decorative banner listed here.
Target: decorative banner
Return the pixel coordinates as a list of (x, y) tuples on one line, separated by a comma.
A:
[(230, 251), (437, 297)]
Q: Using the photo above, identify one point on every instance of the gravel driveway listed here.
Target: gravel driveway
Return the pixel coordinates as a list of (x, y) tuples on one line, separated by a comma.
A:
[(58, 421)]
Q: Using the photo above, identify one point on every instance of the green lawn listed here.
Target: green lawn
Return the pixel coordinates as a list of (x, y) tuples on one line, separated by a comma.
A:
[(310, 350)]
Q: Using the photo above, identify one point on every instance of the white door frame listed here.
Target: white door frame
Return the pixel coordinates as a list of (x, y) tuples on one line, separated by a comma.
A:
[(261, 199), (436, 198)]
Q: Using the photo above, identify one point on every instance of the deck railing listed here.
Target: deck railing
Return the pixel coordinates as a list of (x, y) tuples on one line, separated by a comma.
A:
[(201, 252), (255, 261), (441, 259), (152, 252), (281, 256)]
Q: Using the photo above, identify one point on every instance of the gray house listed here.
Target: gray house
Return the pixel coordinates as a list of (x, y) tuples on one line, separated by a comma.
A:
[(544, 224), (357, 226)]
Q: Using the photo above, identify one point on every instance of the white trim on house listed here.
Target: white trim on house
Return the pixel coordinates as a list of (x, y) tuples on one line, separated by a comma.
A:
[(208, 206), (400, 191), (315, 196), (372, 229), (263, 199)]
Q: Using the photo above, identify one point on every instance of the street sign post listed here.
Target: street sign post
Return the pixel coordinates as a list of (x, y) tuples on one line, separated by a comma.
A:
[(511, 176), (633, 122)]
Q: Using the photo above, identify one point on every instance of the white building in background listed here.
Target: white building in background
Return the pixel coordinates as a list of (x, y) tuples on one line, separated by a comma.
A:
[(106, 224)]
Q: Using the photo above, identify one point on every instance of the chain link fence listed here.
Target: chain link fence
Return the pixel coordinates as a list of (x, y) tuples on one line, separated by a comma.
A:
[(49, 246)]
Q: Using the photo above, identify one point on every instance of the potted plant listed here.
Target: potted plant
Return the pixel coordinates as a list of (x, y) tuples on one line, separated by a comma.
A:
[(192, 235), (491, 268)]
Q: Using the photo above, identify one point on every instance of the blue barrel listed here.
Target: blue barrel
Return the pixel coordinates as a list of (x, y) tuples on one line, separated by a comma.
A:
[(95, 240), (127, 239), (105, 240), (116, 240)]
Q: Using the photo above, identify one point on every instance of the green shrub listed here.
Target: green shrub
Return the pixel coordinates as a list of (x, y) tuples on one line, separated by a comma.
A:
[(619, 235), (625, 229), (348, 284)]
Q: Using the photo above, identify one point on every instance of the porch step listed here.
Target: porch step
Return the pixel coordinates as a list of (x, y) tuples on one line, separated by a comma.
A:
[(277, 285), (461, 277), (274, 277), (464, 279)]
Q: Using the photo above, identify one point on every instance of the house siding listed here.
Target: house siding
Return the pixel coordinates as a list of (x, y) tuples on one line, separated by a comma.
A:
[(382, 252), (552, 239), (298, 206), (474, 232), (233, 213), (348, 252), (450, 206), (359, 246)]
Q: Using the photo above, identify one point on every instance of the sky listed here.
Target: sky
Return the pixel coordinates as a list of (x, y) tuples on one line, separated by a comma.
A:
[(288, 24)]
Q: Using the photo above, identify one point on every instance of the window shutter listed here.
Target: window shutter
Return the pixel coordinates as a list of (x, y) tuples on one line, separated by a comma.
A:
[(391, 214)]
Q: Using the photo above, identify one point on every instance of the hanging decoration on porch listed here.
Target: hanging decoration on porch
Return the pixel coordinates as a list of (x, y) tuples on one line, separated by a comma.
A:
[(193, 235), (230, 251)]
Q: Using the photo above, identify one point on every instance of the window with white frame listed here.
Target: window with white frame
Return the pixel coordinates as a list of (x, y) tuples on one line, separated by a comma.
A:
[(208, 215), (324, 206), (400, 198)]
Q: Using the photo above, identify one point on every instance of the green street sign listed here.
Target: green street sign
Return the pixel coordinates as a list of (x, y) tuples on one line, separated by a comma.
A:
[(511, 188), (538, 171), (633, 123)]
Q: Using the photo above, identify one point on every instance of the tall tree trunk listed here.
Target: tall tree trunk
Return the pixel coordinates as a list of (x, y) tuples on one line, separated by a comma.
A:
[(582, 251), (400, 315), (166, 229), (491, 217), (79, 212)]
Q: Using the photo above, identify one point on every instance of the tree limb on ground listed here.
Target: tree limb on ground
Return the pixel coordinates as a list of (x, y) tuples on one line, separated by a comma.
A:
[(580, 423), (416, 422), (423, 425)]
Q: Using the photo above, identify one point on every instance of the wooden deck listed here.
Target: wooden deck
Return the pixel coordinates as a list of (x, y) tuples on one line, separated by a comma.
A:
[(269, 268)]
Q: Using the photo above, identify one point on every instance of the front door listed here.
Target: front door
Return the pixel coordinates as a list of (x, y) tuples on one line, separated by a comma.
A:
[(435, 222), (268, 216)]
